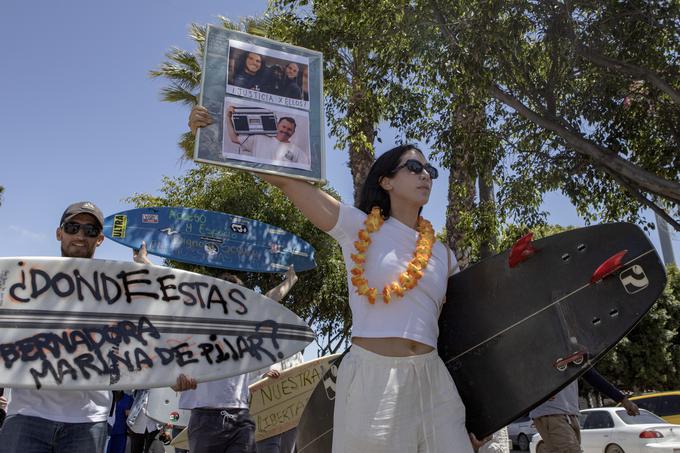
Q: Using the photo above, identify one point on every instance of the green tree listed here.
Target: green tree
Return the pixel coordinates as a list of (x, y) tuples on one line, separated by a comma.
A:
[(359, 67), (581, 92), (371, 53), (2, 191), (320, 296), (576, 96), (648, 358)]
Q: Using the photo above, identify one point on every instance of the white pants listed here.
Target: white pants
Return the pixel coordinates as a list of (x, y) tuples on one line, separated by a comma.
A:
[(397, 405)]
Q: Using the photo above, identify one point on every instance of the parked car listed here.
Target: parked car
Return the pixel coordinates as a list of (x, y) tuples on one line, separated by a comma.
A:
[(520, 432), (612, 430), (664, 404)]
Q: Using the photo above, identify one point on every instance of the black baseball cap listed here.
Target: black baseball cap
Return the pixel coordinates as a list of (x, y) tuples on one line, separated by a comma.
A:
[(83, 207)]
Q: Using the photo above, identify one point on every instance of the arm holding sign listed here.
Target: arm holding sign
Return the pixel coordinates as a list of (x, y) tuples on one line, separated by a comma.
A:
[(140, 255), (184, 383), (319, 207), (279, 292)]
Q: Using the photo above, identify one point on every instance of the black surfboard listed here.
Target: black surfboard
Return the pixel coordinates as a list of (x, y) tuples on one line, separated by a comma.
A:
[(523, 324)]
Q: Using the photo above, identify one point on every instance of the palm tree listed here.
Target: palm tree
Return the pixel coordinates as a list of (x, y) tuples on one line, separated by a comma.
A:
[(183, 68)]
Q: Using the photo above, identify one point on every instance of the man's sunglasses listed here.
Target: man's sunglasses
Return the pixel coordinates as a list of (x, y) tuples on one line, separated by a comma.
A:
[(91, 231), (415, 166)]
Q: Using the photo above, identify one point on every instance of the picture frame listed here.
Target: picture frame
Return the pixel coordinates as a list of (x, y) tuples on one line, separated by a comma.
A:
[(266, 101)]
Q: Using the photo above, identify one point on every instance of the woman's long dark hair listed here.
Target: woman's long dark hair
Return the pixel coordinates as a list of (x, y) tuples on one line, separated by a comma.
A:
[(371, 192), (241, 64)]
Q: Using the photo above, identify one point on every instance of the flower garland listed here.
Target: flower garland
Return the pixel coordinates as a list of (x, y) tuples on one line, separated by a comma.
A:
[(414, 269)]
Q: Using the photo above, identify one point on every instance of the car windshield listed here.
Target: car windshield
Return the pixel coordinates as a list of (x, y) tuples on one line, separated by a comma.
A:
[(644, 418), (660, 405)]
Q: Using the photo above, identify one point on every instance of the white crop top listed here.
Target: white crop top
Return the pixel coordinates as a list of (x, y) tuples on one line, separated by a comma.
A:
[(413, 316)]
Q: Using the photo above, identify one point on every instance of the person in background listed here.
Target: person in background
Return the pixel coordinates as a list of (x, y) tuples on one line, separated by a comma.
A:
[(284, 442), (118, 436), (220, 420), (556, 420), (142, 430)]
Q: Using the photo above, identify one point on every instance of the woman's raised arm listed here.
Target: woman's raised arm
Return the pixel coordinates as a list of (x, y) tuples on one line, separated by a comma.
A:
[(320, 208)]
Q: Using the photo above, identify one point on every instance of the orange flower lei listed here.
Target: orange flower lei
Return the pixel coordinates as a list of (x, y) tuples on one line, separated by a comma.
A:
[(414, 270)]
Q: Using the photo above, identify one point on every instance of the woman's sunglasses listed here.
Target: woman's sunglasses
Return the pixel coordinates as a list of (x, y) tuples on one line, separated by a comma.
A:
[(91, 231), (415, 166)]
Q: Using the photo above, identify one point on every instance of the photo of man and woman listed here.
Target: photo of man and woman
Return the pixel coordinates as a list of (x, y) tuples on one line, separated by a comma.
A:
[(268, 75)]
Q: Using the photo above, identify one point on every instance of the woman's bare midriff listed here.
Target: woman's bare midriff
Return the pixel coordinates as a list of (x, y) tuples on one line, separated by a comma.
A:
[(392, 346)]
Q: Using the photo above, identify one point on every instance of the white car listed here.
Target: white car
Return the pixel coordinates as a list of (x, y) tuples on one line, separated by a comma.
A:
[(612, 430), (520, 432)]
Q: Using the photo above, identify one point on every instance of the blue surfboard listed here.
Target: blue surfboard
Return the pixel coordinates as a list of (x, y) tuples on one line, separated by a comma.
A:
[(210, 238)]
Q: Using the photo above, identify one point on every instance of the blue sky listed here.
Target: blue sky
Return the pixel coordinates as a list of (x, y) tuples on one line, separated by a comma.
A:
[(81, 119)]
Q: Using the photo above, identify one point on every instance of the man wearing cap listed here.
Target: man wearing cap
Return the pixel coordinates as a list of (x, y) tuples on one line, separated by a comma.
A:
[(62, 421)]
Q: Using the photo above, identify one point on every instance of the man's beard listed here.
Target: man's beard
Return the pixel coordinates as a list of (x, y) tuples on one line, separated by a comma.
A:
[(80, 252)]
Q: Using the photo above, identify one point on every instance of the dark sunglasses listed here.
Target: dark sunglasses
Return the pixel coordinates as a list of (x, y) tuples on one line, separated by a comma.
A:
[(91, 231), (417, 167)]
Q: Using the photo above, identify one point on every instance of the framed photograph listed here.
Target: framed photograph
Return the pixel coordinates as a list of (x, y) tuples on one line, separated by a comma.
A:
[(266, 100)]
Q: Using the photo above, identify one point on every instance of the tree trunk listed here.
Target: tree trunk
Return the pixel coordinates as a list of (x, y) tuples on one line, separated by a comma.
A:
[(603, 158), (361, 129), (642, 178), (461, 197), (360, 161), (461, 200), (487, 204)]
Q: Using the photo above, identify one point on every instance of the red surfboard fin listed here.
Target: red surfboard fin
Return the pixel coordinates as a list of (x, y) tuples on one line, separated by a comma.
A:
[(521, 250), (611, 264)]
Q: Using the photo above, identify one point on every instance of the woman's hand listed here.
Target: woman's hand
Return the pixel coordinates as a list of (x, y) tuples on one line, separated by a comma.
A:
[(199, 117)]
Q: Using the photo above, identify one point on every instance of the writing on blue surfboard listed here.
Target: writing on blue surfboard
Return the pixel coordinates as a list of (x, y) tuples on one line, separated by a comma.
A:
[(211, 238)]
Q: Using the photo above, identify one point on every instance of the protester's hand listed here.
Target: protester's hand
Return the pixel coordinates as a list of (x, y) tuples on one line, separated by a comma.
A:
[(199, 117), (630, 406), (165, 437), (477, 444), (279, 292), (183, 383), (3, 403), (140, 256), (274, 374), (291, 276)]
